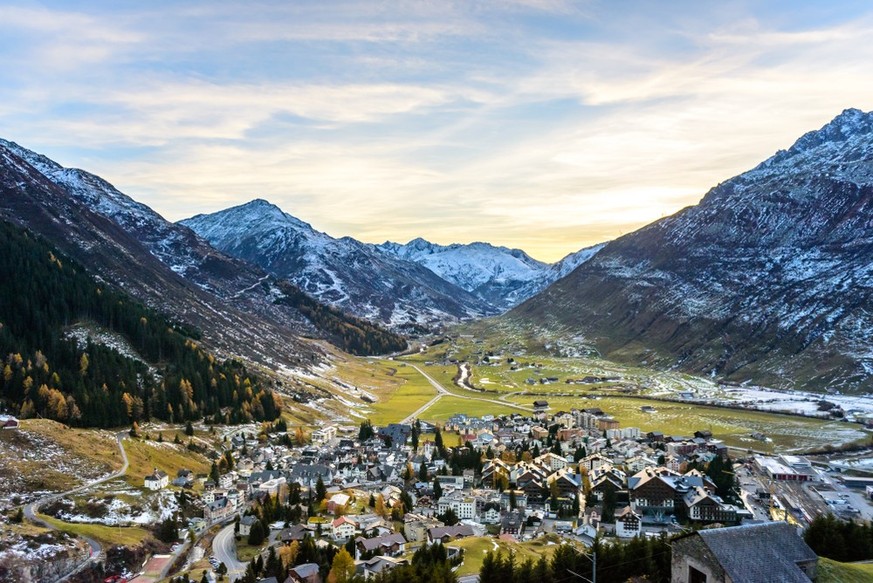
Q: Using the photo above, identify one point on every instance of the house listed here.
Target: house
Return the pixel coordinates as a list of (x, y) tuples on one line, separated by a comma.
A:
[(343, 528), (512, 523), (490, 513), (700, 505), (156, 480), (245, 525), (392, 545), (415, 526), (217, 510), (628, 523), (297, 532), (9, 422), (324, 435), (337, 503), (772, 551), (446, 534), (307, 474), (552, 461), (377, 565), (305, 573)]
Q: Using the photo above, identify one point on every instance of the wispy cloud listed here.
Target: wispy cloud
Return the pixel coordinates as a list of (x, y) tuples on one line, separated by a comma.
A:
[(546, 125)]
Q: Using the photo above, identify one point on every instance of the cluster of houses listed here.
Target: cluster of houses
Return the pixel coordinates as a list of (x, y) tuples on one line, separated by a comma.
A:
[(594, 476)]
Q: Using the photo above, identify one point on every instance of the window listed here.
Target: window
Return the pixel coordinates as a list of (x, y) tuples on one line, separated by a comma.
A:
[(695, 576)]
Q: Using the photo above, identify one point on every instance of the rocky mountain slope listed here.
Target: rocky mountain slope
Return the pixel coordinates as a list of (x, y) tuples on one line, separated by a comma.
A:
[(342, 272), (240, 308), (500, 276), (769, 278)]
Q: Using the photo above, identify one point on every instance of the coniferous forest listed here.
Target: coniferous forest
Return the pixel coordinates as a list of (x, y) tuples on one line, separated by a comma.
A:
[(46, 373)]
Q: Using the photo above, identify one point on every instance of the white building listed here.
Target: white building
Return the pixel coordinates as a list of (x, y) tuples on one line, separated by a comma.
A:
[(156, 480), (324, 435), (464, 507), (628, 523)]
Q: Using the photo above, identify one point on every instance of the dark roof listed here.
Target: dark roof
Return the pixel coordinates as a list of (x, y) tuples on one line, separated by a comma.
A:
[(760, 552), (305, 570)]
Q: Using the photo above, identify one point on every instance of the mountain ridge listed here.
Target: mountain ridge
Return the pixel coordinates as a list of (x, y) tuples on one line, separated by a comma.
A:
[(765, 280)]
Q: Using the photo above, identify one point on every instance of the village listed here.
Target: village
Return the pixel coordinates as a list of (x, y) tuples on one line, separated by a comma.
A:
[(381, 492)]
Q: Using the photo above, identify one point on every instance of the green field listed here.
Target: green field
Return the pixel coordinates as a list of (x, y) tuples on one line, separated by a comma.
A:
[(145, 456), (108, 535), (734, 426), (475, 549), (833, 572), (407, 391)]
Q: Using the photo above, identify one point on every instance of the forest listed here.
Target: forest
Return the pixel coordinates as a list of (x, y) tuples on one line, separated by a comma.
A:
[(48, 373)]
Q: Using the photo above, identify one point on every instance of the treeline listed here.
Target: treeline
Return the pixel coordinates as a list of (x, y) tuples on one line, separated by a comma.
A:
[(45, 373), (841, 540), (648, 559), (354, 335)]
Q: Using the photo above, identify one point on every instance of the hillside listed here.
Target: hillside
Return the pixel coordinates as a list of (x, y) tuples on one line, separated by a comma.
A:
[(768, 279), (240, 308), (49, 374)]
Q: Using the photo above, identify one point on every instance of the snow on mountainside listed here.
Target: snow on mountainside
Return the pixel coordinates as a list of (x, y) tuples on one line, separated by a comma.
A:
[(769, 278), (501, 276), (343, 272), (239, 307)]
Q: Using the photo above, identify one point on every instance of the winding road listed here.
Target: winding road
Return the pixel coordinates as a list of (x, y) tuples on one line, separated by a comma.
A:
[(443, 392), (224, 549), (31, 510)]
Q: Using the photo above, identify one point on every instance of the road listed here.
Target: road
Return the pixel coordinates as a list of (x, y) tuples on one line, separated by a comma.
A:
[(442, 392), (31, 510), (224, 549)]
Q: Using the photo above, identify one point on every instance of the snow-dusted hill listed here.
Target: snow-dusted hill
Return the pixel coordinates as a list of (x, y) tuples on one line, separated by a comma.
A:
[(239, 307), (768, 278), (501, 276), (343, 272)]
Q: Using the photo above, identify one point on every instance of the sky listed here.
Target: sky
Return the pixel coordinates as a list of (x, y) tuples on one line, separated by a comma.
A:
[(539, 124)]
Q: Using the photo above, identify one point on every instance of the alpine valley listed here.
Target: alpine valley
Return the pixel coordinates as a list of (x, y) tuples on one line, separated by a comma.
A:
[(239, 396)]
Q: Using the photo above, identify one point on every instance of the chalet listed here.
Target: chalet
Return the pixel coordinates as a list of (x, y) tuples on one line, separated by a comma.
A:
[(305, 573), (245, 525), (772, 551), (297, 532), (156, 480), (307, 474), (9, 422), (512, 523), (540, 406), (343, 528), (702, 506), (447, 534), (490, 513), (628, 523), (392, 545), (377, 565), (607, 478)]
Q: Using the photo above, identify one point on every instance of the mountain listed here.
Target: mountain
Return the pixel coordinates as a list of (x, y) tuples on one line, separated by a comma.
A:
[(240, 308), (500, 276), (343, 272), (768, 279)]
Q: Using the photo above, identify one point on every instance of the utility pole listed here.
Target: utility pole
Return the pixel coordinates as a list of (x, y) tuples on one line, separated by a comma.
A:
[(593, 557)]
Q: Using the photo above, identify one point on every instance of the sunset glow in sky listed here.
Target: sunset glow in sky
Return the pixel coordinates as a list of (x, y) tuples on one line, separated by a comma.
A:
[(539, 124)]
